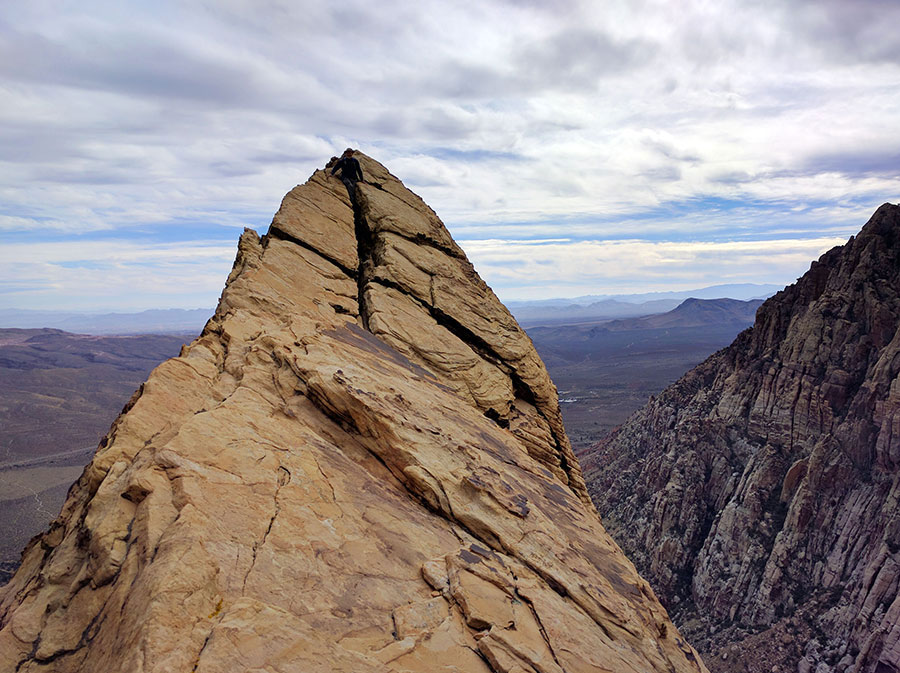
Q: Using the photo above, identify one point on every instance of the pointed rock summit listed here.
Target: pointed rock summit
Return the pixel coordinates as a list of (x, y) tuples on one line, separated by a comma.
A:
[(761, 492), (358, 466)]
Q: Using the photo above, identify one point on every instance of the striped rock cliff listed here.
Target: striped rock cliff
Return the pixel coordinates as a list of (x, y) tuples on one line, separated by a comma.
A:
[(759, 494), (358, 466)]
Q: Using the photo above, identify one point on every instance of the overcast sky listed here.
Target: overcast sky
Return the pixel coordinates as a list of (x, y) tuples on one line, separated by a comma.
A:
[(570, 147)]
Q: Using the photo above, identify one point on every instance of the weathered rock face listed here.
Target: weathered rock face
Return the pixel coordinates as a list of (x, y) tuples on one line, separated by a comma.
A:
[(759, 494), (359, 465)]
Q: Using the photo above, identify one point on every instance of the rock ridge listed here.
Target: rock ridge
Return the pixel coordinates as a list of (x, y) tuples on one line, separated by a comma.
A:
[(759, 493), (360, 465)]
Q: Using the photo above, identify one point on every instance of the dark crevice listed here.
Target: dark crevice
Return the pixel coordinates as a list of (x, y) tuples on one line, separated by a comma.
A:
[(478, 345), (87, 636), (277, 510), (30, 655), (523, 392), (365, 245), (205, 643), (481, 656), (521, 389), (543, 631), (495, 416), (422, 239), (563, 461), (276, 233)]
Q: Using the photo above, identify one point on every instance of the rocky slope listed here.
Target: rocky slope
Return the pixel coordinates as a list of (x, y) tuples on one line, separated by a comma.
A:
[(759, 494), (58, 394), (358, 466)]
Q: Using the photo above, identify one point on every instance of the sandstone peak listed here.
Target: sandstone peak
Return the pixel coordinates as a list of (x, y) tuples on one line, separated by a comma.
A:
[(760, 492), (358, 466)]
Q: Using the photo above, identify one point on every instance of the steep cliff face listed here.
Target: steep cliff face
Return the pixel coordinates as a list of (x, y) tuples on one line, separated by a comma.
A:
[(359, 465), (759, 494)]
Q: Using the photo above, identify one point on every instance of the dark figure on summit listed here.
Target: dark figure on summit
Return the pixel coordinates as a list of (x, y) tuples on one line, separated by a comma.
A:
[(351, 172)]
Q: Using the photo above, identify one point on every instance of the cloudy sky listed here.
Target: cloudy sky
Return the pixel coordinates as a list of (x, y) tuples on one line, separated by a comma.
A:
[(571, 147)]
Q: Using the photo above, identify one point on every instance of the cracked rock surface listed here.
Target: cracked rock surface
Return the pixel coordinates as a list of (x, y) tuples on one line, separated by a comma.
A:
[(358, 466), (760, 494)]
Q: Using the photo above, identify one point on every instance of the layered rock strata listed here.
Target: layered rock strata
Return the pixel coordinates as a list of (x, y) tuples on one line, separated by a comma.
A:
[(359, 465), (759, 494)]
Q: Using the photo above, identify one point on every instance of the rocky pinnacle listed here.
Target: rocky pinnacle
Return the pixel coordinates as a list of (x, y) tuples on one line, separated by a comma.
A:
[(358, 466)]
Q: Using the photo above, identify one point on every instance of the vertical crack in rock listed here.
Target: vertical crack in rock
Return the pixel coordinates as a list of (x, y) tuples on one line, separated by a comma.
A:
[(219, 617), (365, 244), (283, 477), (537, 619), (478, 653)]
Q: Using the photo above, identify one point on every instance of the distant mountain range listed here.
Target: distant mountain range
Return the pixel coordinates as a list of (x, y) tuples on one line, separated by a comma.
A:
[(742, 291), (156, 321), (594, 308), (588, 308), (695, 313)]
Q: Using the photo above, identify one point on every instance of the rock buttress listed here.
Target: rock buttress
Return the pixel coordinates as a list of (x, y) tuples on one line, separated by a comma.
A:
[(760, 492), (358, 466)]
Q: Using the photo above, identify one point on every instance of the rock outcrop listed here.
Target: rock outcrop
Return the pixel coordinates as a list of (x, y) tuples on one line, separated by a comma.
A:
[(759, 493), (358, 466)]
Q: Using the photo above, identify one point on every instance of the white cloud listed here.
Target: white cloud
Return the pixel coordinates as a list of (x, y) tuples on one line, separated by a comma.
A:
[(543, 269), (115, 275)]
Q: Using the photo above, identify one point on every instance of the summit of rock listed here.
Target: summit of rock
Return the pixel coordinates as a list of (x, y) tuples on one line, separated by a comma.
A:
[(759, 493), (359, 465)]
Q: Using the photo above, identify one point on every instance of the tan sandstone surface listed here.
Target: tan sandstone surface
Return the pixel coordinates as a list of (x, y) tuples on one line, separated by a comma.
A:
[(358, 466), (760, 494)]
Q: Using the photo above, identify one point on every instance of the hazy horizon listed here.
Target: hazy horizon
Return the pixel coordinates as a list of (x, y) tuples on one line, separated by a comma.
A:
[(765, 288)]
